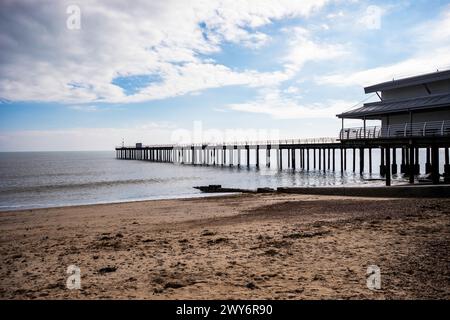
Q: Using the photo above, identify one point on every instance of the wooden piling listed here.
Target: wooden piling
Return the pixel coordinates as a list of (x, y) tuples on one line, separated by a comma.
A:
[(388, 166), (435, 164)]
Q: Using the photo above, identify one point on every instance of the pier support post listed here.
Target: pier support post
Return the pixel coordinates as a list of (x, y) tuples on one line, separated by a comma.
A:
[(329, 160), (324, 160), (382, 166), (320, 158), (411, 165), (416, 162), (268, 156), (314, 158), (280, 158), (354, 160), (345, 159), (408, 161), (394, 161), (307, 159), (289, 157), (257, 156), (446, 167), (370, 160), (435, 164), (361, 160), (204, 152), (388, 166), (293, 159), (302, 158), (239, 157), (334, 160), (247, 155), (428, 163), (224, 156)]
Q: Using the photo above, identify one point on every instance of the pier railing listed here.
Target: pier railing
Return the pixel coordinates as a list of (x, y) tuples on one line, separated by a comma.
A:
[(415, 129)]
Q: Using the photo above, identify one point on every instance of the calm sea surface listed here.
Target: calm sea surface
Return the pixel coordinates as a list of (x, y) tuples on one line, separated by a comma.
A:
[(48, 179)]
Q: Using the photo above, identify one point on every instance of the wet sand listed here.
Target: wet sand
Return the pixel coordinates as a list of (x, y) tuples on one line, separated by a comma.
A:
[(256, 246)]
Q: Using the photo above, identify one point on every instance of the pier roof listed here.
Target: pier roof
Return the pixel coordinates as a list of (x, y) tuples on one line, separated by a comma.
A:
[(376, 109), (411, 81)]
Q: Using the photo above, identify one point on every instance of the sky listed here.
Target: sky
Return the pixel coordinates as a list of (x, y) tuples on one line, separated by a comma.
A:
[(89, 75)]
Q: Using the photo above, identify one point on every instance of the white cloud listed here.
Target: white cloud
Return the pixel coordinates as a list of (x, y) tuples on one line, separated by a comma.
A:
[(43, 60), (409, 67), (435, 31), (84, 108), (193, 77), (335, 15), (371, 19), (430, 47), (302, 48), (279, 106), (292, 90), (283, 104)]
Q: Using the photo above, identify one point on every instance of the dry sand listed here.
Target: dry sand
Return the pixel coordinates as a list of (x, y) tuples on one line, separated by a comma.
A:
[(265, 246)]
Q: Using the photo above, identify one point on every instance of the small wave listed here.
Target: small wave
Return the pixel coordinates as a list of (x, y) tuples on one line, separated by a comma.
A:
[(92, 184)]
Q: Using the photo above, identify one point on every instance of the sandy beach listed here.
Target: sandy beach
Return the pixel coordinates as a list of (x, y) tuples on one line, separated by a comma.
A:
[(256, 246)]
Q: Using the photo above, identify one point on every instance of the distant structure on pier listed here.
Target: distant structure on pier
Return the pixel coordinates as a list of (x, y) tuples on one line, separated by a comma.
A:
[(414, 114)]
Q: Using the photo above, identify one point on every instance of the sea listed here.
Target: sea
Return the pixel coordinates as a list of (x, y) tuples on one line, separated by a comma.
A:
[(51, 179)]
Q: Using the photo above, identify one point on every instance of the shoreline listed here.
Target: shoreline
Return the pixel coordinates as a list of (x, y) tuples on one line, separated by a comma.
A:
[(248, 246), (395, 191), (199, 196)]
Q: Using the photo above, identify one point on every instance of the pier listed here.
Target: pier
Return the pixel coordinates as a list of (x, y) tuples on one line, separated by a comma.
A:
[(414, 114), (317, 154), (301, 154)]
